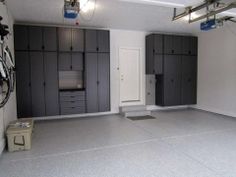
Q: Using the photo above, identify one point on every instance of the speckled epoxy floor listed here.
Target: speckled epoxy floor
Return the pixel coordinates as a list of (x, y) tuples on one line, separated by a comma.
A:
[(184, 143)]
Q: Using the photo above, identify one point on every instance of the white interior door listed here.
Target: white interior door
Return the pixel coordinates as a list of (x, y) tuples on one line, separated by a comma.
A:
[(130, 80)]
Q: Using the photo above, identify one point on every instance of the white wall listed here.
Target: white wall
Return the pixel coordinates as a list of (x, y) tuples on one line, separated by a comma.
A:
[(217, 71), (8, 113), (129, 39)]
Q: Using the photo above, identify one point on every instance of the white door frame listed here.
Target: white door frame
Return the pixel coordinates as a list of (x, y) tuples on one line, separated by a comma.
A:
[(140, 101)]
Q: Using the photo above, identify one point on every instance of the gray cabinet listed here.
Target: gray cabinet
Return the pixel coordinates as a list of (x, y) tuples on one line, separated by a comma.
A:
[(175, 68), (103, 82), (158, 64), (91, 72), (154, 54), (37, 84), (97, 72), (21, 37), (189, 44), (50, 39), (91, 41), (77, 62), (103, 38), (51, 84), (42, 52), (42, 38), (97, 41), (71, 39), (35, 38), (64, 39), (64, 61), (189, 80), (72, 102), (70, 61), (172, 80), (150, 89), (77, 40), (23, 88), (172, 45)]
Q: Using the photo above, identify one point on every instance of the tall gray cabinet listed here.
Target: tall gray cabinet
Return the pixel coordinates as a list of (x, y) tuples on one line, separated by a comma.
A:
[(173, 59), (36, 71), (61, 71), (97, 70)]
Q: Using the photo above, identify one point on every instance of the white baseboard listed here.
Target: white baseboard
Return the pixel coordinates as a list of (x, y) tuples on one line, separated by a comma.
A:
[(159, 108), (216, 111), (2, 145), (75, 116)]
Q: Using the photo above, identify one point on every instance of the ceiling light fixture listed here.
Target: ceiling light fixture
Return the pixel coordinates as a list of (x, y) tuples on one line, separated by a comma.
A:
[(158, 3), (88, 6)]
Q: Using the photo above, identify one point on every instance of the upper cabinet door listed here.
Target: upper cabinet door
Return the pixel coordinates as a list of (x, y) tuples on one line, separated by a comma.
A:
[(91, 41), (64, 62), (149, 54), (35, 38), (64, 35), (77, 40), (190, 45), (77, 62), (50, 39), (103, 39), (177, 45), (168, 47), (158, 44), (186, 45), (21, 37)]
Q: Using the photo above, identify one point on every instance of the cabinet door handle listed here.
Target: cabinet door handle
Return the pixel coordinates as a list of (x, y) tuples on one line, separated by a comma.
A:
[(97, 49), (173, 51), (43, 47), (71, 48), (172, 80), (189, 79)]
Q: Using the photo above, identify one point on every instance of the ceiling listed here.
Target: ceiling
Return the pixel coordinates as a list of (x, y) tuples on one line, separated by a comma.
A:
[(154, 16)]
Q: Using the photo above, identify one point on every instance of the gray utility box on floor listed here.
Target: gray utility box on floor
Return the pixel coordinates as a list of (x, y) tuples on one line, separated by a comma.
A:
[(18, 136)]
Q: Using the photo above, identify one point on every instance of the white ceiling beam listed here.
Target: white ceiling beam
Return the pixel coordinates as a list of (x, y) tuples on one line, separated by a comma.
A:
[(157, 3)]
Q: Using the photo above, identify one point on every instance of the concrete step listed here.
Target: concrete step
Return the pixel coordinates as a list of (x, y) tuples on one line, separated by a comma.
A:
[(136, 113), (133, 108)]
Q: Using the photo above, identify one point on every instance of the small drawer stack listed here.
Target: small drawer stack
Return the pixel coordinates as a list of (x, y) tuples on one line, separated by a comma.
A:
[(72, 102)]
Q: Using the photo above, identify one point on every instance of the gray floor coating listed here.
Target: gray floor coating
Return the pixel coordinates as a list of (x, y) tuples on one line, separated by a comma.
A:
[(186, 143)]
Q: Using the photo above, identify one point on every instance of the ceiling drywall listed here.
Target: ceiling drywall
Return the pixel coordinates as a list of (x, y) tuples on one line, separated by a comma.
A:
[(118, 14)]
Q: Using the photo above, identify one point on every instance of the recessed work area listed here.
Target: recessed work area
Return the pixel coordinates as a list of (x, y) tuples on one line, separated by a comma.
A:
[(126, 88)]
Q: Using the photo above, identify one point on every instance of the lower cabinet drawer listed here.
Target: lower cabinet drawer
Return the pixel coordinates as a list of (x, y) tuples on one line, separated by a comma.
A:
[(69, 104), (72, 110), (72, 98)]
